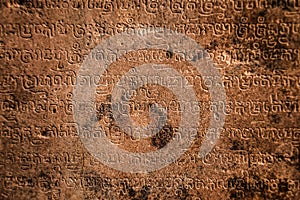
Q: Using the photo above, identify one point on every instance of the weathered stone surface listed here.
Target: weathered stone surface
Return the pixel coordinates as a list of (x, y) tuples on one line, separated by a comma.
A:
[(253, 44)]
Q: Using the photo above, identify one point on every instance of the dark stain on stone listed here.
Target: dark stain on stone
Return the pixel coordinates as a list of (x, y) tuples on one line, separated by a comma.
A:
[(46, 180), (103, 110), (280, 157), (237, 145), (235, 41), (283, 187), (169, 54), (144, 193), (22, 2), (131, 192), (213, 44), (275, 119), (262, 13), (163, 137), (44, 133), (182, 193)]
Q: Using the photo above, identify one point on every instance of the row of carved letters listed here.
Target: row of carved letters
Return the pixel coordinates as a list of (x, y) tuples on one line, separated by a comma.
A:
[(29, 160), (179, 7), (275, 32), (222, 57), (16, 135), (68, 78), (235, 107), (105, 183)]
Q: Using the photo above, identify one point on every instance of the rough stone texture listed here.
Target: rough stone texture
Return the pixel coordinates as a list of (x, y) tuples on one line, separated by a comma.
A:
[(255, 45)]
